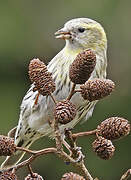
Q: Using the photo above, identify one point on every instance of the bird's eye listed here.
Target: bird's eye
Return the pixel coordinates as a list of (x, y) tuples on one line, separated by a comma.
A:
[(81, 30)]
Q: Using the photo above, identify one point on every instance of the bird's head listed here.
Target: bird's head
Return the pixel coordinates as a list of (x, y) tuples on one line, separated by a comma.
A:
[(83, 33)]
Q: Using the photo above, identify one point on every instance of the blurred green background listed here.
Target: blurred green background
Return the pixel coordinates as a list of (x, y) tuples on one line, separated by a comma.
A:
[(26, 31)]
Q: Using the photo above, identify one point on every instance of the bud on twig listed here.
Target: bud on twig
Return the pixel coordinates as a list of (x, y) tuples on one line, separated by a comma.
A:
[(114, 128), (103, 148), (8, 175), (72, 176), (64, 112), (35, 176), (82, 67), (7, 146), (97, 89), (41, 78)]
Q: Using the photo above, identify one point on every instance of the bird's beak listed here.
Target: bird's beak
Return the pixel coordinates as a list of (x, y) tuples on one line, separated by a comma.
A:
[(63, 34)]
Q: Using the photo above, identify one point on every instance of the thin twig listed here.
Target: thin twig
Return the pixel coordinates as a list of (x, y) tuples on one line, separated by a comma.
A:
[(58, 138), (81, 134), (126, 175), (72, 91), (30, 170), (53, 98), (39, 152), (35, 154), (26, 150), (69, 137)]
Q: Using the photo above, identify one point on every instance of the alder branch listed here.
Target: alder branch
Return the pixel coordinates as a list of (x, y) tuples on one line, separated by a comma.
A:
[(53, 98), (81, 134), (64, 156), (72, 91)]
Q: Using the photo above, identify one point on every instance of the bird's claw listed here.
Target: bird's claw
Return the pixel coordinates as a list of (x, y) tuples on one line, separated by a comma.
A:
[(67, 130), (79, 154)]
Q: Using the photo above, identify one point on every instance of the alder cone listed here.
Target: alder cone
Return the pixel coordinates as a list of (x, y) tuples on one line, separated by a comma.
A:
[(41, 78), (7, 146), (82, 67), (114, 128), (64, 112), (97, 89), (72, 176), (35, 176), (8, 175), (103, 148)]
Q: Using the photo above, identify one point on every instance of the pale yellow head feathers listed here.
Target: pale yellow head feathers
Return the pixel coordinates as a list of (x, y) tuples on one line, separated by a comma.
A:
[(83, 33)]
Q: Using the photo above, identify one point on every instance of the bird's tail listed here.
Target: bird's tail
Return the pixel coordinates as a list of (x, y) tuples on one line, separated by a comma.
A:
[(18, 155)]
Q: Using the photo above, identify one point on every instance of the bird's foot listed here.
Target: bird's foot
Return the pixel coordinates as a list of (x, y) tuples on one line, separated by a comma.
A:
[(77, 154)]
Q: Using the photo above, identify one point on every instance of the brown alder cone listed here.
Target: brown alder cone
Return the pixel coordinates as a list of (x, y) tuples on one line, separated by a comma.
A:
[(97, 89), (7, 146), (103, 148), (41, 78), (64, 111), (35, 176), (8, 175), (82, 67), (114, 128), (72, 176)]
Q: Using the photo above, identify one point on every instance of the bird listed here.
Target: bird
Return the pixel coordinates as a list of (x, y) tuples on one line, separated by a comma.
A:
[(79, 34)]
